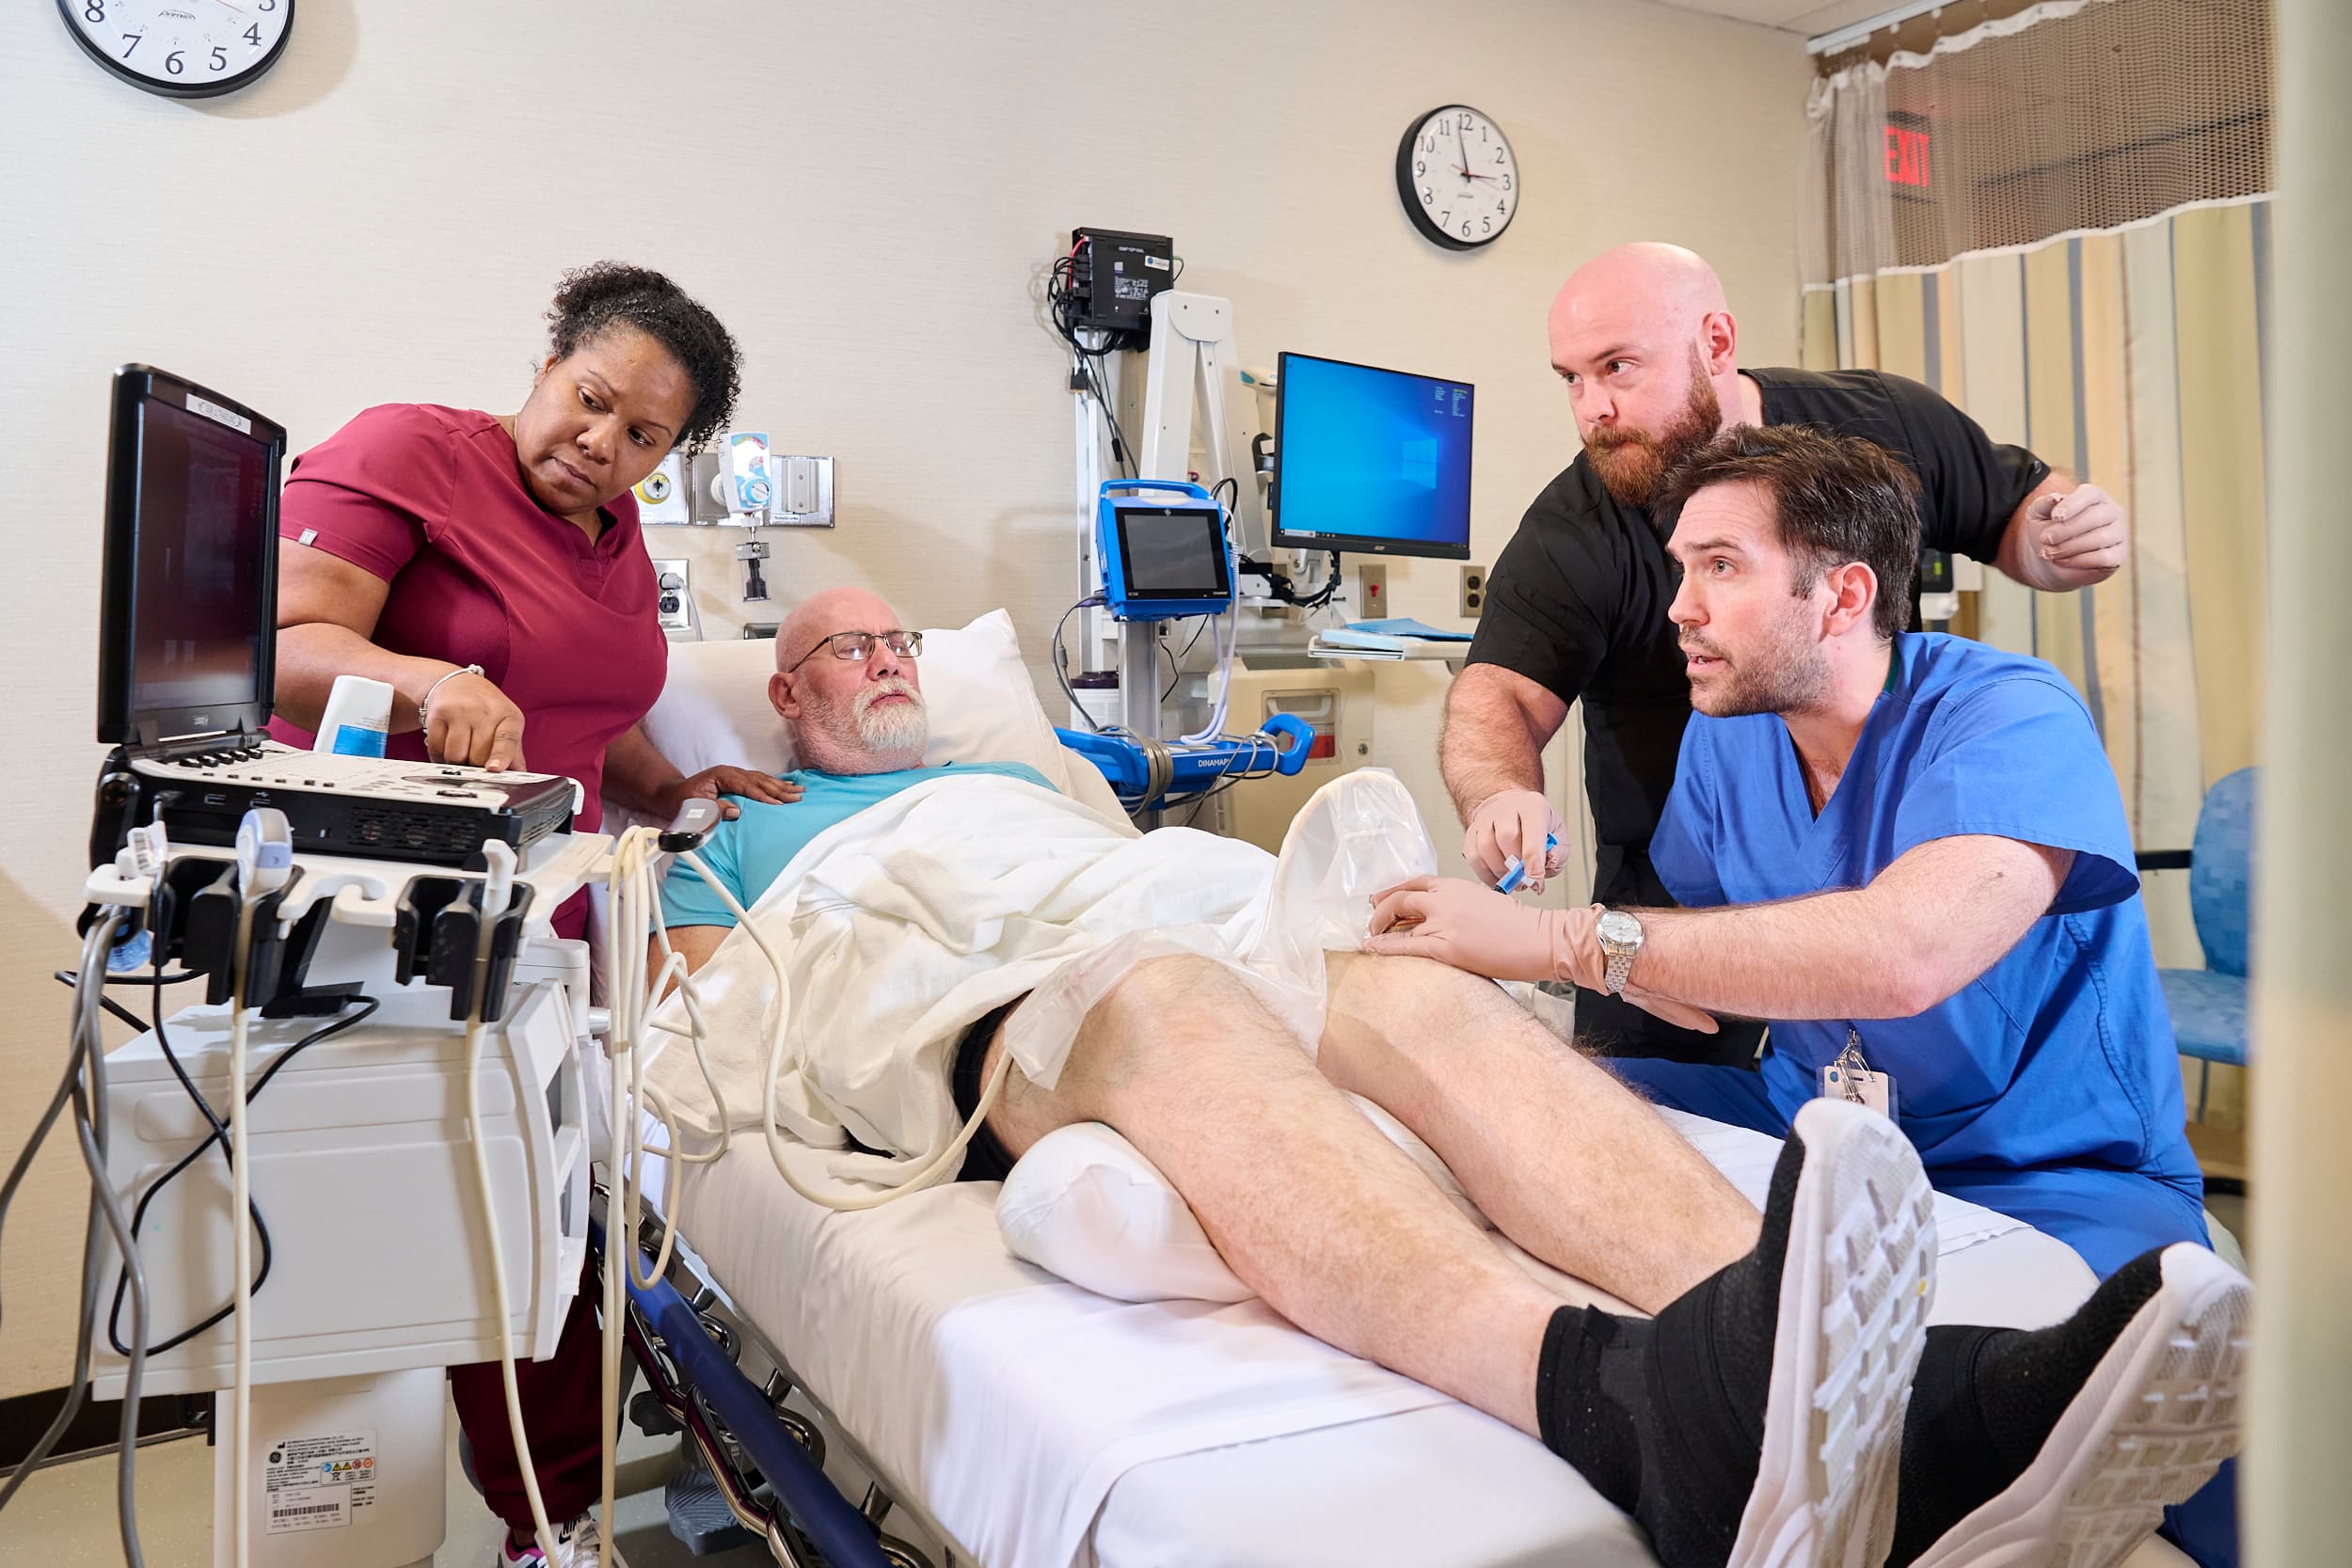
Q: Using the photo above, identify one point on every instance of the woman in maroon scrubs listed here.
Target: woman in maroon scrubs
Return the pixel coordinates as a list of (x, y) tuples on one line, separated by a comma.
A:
[(489, 568)]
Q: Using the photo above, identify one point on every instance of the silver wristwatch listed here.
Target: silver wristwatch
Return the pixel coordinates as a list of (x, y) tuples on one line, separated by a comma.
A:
[(1620, 936)]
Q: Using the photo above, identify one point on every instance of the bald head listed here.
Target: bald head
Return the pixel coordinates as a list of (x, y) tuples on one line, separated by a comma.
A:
[(833, 610), (848, 716), (1643, 342), (1652, 287)]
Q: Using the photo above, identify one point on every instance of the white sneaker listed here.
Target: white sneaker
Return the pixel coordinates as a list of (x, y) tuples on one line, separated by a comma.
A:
[(1857, 1280), (575, 1547), (2148, 1427)]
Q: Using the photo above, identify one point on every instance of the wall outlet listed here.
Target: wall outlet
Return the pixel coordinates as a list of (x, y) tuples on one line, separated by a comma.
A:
[(1473, 592), (675, 597), (1372, 591)]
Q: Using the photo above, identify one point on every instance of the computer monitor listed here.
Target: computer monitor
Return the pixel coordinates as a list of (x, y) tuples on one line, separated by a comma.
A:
[(188, 635), (1371, 460)]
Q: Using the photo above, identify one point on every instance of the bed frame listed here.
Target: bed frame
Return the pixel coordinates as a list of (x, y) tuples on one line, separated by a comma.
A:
[(712, 1377)]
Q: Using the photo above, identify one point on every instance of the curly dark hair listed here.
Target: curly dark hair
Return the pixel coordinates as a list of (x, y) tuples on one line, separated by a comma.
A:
[(603, 295), (1835, 498)]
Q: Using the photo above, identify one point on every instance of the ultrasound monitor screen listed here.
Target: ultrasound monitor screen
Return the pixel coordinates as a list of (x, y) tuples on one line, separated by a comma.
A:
[(1172, 553), (198, 605)]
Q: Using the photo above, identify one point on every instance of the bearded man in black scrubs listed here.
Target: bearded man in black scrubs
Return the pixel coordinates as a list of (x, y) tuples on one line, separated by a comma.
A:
[(1575, 605)]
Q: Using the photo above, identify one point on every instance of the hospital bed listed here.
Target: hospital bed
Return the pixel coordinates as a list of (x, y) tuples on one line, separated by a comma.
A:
[(982, 1411), (968, 1389)]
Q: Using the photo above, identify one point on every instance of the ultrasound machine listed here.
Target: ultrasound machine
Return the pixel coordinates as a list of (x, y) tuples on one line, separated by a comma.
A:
[(387, 1076)]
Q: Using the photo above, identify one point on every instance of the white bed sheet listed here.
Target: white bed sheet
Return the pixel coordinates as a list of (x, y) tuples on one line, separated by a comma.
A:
[(1045, 1426)]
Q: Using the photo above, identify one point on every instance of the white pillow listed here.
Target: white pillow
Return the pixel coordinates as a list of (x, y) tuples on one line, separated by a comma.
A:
[(983, 707), (1085, 1204)]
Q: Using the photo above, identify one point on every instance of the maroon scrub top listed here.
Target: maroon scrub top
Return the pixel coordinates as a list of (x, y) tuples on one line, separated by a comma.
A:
[(433, 500)]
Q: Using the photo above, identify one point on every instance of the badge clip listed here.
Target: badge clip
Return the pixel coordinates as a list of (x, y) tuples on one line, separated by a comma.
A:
[(1850, 1079)]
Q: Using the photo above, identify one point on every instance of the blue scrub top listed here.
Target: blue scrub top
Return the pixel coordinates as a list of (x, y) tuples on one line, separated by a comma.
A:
[(750, 851), (2062, 1052)]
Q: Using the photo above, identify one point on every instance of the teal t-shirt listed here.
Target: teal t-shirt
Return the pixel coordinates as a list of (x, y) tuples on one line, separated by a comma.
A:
[(750, 852)]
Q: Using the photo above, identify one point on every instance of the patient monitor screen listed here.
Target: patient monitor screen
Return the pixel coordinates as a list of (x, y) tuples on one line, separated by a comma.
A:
[(1172, 553), (197, 610), (1371, 460)]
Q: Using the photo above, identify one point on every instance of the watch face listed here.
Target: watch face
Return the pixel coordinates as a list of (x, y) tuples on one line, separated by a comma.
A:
[(1618, 929), (1458, 178), (183, 48)]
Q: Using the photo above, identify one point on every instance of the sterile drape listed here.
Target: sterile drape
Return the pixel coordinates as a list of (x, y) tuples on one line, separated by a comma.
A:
[(2062, 222)]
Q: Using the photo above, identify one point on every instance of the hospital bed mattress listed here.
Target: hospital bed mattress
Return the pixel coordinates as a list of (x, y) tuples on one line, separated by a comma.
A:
[(977, 1385)]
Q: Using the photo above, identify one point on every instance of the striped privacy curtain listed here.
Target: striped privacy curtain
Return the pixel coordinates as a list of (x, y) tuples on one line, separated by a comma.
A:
[(2061, 221)]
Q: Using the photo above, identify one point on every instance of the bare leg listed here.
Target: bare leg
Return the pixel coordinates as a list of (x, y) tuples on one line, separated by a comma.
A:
[(1306, 1201), (1562, 1157)]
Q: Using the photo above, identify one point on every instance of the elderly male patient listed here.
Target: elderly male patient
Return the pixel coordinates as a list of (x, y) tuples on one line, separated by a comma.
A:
[(1707, 1424)]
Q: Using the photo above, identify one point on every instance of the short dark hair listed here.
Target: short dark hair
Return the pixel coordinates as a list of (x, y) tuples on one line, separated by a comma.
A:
[(1835, 498), (603, 295)]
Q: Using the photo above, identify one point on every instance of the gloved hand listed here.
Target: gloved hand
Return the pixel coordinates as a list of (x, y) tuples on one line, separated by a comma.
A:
[(1510, 825), (1473, 928), (1489, 933)]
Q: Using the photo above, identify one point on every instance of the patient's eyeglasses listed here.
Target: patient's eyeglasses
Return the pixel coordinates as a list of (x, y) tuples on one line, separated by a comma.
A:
[(858, 646)]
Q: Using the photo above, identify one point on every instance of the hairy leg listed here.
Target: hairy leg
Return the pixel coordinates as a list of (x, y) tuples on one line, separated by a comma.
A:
[(1306, 1201), (1563, 1158)]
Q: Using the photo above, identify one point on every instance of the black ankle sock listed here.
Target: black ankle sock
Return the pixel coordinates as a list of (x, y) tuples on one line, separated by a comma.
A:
[(1985, 1398), (1666, 1418), (1595, 1370)]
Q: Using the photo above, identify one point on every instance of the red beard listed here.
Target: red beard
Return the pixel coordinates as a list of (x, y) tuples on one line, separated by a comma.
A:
[(1630, 463)]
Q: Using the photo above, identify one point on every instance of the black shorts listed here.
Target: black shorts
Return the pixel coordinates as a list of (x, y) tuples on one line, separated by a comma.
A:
[(985, 1158)]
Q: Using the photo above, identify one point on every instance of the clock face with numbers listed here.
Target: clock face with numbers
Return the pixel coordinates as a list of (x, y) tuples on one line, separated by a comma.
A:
[(1457, 177), (183, 48)]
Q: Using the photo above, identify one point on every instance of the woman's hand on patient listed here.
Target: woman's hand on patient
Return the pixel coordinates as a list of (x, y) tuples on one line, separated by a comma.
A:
[(716, 784), (1475, 927)]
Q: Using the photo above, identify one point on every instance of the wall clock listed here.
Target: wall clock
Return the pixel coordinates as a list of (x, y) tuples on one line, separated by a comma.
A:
[(1457, 177), (182, 48)]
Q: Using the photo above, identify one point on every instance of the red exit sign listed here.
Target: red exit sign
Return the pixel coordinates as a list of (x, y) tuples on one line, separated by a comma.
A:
[(1906, 157)]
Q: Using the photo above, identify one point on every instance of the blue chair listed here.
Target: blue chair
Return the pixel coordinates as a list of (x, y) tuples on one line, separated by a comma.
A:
[(2208, 1005)]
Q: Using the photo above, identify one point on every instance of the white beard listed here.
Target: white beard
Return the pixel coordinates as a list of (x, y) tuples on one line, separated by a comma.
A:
[(899, 727)]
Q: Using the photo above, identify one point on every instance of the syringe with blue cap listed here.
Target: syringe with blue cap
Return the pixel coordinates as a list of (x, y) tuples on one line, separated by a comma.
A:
[(1514, 869)]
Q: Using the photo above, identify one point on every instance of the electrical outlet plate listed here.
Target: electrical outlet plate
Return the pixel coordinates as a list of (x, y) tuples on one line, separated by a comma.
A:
[(674, 602), (1473, 592), (1372, 591)]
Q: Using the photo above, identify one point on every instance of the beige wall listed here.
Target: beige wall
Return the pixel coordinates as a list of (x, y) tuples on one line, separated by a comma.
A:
[(868, 194)]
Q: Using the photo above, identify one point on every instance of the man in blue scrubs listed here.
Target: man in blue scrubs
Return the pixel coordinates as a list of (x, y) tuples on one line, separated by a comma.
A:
[(1905, 850)]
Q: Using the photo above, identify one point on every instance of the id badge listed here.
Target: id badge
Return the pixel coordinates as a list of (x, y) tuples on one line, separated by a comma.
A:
[(1849, 1078)]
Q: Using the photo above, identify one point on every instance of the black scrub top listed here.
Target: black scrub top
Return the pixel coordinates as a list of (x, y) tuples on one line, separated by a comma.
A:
[(1578, 601)]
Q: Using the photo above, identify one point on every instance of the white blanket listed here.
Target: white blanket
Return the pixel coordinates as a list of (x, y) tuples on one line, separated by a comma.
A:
[(900, 927)]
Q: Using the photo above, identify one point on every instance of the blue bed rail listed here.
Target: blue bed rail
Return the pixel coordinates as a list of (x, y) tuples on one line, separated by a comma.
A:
[(819, 1510)]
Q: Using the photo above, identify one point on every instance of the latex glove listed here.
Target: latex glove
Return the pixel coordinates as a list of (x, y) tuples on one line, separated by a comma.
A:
[(1681, 1015), (716, 784), (472, 722), (1510, 825), (1486, 932), (2076, 539), (1584, 961), (1458, 922)]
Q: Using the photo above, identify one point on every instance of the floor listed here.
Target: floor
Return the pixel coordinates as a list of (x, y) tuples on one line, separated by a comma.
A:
[(64, 1518)]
